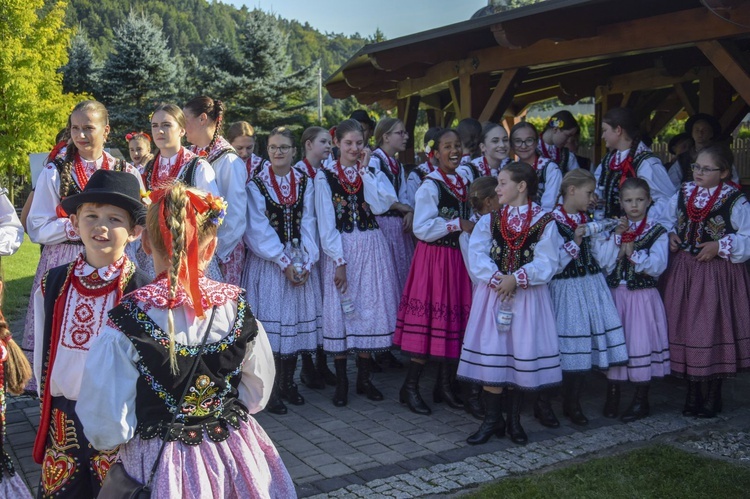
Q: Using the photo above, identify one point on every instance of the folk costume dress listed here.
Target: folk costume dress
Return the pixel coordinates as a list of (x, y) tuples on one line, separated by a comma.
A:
[(522, 241), (550, 180), (190, 169), (254, 164), (633, 281), (221, 451), (281, 209), (231, 178), (70, 308), (11, 483), (479, 167), (588, 325), (391, 222), (415, 178), (49, 225), (561, 156), (617, 166), (346, 202), (708, 303), (436, 300)]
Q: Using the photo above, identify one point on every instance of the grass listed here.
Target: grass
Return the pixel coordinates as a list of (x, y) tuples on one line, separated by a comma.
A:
[(655, 472), (18, 274)]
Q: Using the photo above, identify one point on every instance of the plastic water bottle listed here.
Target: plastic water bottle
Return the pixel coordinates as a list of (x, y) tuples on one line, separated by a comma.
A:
[(297, 255), (599, 211), (346, 304), (504, 314), (596, 227)]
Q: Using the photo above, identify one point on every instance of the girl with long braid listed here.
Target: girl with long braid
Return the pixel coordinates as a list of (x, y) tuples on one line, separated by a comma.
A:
[(151, 341), (204, 118)]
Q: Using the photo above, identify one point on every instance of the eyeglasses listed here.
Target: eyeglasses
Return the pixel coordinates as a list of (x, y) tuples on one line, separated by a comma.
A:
[(702, 169), (525, 143), (401, 133), (281, 149)]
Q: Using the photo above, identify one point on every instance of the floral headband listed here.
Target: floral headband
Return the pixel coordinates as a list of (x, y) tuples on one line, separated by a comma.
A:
[(555, 123), (134, 135), (428, 148), (212, 206)]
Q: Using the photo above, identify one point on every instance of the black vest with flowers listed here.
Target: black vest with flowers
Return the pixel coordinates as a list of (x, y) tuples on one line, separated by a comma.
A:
[(609, 182), (505, 259), (585, 264), (186, 176), (395, 181), (211, 403), (449, 207), (716, 225), (285, 220), (625, 270), (351, 210)]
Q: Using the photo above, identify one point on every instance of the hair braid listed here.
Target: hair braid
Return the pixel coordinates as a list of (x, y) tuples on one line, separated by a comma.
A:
[(176, 206), (17, 368), (66, 175)]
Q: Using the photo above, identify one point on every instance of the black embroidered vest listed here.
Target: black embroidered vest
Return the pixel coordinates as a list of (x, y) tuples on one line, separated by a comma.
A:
[(395, 181), (351, 209), (211, 403), (625, 270), (609, 182), (285, 220), (219, 153), (186, 176), (449, 207), (585, 264), (542, 175), (564, 163), (715, 226), (501, 253), (52, 285), (73, 188)]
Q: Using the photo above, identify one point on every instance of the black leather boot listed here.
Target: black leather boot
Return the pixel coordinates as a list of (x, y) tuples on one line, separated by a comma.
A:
[(364, 380), (543, 409), (443, 391), (288, 388), (409, 393), (308, 375), (612, 404), (473, 400), (388, 359), (321, 365), (693, 399), (275, 405), (712, 403), (493, 423), (341, 395), (639, 407), (572, 398), (513, 424)]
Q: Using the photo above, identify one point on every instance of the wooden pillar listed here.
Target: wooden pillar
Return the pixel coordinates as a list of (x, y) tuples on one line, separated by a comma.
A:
[(408, 109)]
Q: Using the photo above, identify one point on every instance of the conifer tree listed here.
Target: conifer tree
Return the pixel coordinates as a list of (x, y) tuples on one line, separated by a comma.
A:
[(81, 72), (139, 73), (33, 107)]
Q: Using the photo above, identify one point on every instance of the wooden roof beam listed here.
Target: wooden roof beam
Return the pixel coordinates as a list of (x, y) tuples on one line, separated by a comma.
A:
[(503, 94), (362, 76), (649, 79), (688, 94), (731, 63)]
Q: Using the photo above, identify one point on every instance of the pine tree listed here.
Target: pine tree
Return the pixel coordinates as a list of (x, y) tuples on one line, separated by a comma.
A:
[(33, 107), (80, 74), (138, 74)]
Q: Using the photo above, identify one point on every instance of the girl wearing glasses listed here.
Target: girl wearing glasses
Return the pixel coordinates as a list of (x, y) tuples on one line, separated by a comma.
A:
[(524, 138), (628, 157), (282, 282), (204, 117), (560, 127), (707, 288)]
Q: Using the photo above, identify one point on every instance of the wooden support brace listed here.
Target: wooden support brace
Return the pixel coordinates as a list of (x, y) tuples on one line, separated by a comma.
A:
[(731, 64), (503, 94), (455, 91), (688, 96)]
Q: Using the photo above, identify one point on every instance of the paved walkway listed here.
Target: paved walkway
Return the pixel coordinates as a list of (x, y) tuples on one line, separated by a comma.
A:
[(381, 449)]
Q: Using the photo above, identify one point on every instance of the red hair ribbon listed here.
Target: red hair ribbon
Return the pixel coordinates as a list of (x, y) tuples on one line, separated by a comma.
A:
[(189, 274), (332, 132), (133, 135)]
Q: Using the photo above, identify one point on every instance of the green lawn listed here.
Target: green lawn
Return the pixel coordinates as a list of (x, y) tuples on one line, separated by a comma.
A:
[(655, 472), (18, 274)]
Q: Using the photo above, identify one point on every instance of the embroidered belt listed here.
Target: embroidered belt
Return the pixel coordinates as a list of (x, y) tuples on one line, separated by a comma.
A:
[(217, 428)]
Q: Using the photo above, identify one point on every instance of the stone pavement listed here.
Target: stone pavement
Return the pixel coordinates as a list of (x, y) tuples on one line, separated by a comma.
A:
[(381, 449)]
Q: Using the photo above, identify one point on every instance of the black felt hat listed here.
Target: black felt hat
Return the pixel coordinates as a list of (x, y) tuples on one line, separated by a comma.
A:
[(712, 122), (119, 189), (362, 116)]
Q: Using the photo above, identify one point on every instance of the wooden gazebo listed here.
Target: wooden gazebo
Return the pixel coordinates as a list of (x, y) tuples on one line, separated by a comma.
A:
[(658, 57)]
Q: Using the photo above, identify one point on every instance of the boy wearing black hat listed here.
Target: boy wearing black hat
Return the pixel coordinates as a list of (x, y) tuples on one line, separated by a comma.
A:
[(71, 306)]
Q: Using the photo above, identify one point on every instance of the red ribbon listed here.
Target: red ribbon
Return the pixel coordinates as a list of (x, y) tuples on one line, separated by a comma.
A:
[(189, 273)]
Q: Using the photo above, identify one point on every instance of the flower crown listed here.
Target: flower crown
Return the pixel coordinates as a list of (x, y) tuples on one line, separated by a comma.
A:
[(217, 209), (555, 123), (428, 147)]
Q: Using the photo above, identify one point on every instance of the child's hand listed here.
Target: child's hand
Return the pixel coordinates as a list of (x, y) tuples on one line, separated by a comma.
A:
[(674, 242), (708, 252), (506, 287), (578, 235), (624, 224), (302, 278), (364, 157), (466, 226), (627, 248), (339, 278), (290, 274)]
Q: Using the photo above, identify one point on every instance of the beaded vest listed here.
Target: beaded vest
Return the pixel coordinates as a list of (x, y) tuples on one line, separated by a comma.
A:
[(500, 251), (186, 176), (351, 209), (716, 225), (285, 220), (625, 270), (585, 264), (449, 207), (609, 182)]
